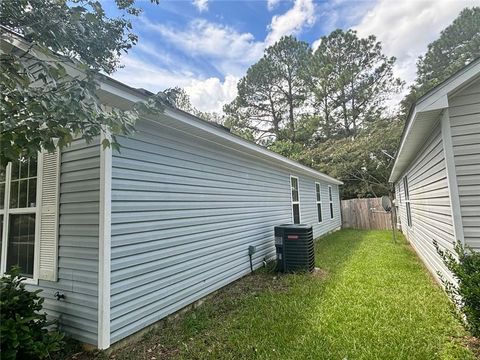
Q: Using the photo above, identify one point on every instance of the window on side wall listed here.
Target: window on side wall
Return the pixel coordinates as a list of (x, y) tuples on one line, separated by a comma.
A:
[(18, 215), (330, 200), (407, 202), (319, 201), (295, 199)]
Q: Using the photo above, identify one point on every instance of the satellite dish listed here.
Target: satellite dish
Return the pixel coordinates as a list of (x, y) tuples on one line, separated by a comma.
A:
[(386, 203)]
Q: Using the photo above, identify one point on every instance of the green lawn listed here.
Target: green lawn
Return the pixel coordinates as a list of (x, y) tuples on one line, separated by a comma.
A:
[(372, 300)]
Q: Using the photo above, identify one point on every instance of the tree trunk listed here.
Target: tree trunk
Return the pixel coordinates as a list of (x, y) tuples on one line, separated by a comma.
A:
[(290, 105)]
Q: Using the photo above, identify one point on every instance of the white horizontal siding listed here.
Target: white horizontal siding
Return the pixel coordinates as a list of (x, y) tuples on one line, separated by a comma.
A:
[(184, 212), (78, 244), (464, 110), (430, 203)]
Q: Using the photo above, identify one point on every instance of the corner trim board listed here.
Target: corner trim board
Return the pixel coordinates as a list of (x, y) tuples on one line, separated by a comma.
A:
[(104, 245), (452, 177)]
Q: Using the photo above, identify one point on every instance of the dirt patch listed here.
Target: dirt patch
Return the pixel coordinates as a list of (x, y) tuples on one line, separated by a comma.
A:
[(321, 274), (473, 344)]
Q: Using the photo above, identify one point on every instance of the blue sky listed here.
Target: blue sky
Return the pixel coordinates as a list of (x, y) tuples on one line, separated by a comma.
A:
[(205, 46)]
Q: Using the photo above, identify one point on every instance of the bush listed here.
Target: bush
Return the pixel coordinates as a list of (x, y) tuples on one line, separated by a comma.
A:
[(23, 327), (465, 266)]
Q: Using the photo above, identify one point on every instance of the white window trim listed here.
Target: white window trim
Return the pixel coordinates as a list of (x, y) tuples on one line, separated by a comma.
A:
[(330, 202), (6, 221), (406, 193), (319, 202), (295, 202)]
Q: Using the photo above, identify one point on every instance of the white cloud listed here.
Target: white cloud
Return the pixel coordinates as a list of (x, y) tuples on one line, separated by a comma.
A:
[(405, 28), (201, 5), (231, 52), (141, 74), (208, 94), (272, 4), (302, 14), (211, 94)]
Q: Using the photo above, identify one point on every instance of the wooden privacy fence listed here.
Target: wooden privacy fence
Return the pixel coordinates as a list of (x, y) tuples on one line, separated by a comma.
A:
[(365, 214)]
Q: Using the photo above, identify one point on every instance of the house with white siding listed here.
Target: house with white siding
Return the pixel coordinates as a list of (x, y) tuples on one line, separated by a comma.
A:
[(118, 240), (437, 169)]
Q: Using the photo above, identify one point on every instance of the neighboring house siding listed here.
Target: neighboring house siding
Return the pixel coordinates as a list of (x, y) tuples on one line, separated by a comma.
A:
[(184, 212), (464, 111), (78, 244), (430, 203), (399, 196)]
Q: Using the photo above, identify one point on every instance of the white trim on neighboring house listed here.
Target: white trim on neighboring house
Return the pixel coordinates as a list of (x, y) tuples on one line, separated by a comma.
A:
[(104, 246), (408, 206), (295, 202), (330, 202), (318, 201), (452, 177)]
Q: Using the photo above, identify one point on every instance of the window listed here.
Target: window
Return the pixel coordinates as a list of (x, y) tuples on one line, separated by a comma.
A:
[(319, 201), (407, 202), (330, 200), (18, 215), (295, 199)]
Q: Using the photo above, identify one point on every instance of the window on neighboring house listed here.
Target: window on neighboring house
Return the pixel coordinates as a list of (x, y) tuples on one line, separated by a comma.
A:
[(319, 201), (18, 215), (330, 200), (295, 199), (407, 201)]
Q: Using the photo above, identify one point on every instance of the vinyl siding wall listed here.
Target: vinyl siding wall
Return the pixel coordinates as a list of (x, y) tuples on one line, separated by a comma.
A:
[(78, 244), (464, 111), (184, 212), (430, 203)]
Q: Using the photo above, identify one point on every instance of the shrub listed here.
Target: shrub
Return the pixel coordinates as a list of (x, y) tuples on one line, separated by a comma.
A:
[(465, 266), (24, 328)]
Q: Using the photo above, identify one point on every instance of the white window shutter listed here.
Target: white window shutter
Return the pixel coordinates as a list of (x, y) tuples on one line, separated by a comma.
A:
[(50, 190)]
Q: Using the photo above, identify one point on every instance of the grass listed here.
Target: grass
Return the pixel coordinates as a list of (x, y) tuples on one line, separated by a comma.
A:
[(373, 299)]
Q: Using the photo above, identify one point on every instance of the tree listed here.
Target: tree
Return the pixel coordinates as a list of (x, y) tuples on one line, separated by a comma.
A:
[(257, 110), (49, 87), (361, 163), (458, 45), (288, 58), (178, 98), (320, 79), (271, 95), (350, 79)]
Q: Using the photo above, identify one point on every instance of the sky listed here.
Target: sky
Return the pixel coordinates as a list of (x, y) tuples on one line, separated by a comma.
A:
[(206, 46)]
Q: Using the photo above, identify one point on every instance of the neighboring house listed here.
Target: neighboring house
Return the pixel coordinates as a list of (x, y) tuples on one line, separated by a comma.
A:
[(130, 237), (437, 169)]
